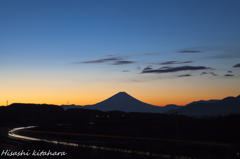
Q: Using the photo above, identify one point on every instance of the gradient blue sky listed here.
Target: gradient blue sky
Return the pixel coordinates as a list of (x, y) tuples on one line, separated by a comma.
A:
[(83, 51)]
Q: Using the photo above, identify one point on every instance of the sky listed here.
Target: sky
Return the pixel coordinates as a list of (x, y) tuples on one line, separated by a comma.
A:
[(84, 51)]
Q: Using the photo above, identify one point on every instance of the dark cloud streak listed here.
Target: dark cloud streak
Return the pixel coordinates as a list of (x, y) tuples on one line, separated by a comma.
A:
[(186, 75), (174, 62), (237, 65), (212, 73), (122, 62), (115, 60), (228, 75), (203, 73), (103, 60), (174, 69), (189, 51)]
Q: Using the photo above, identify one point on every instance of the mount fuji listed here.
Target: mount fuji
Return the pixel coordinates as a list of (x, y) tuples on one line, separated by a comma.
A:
[(124, 102)]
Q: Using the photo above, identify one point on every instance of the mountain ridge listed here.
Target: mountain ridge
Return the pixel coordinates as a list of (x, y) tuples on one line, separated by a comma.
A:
[(125, 102), (226, 106)]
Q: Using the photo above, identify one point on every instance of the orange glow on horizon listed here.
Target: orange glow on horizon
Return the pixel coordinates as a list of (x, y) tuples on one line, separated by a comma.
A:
[(86, 93), (89, 100)]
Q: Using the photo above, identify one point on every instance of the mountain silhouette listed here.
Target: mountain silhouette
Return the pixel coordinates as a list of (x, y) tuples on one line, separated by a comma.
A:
[(124, 102), (202, 101), (226, 106)]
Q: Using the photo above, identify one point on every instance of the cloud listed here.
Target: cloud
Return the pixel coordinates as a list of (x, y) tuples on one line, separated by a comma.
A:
[(203, 73), (225, 56), (110, 60), (237, 65), (212, 73), (228, 75), (150, 54), (174, 62), (218, 52), (186, 75), (165, 67), (125, 71), (103, 60), (122, 62), (174, 69), (189, 51), (147, 68)]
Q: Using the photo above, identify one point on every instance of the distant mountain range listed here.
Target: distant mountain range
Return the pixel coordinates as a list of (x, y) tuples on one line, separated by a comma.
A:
[(124, 102), (222, 107), (202, 101)]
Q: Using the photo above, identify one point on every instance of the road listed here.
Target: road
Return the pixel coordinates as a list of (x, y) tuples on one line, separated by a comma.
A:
[(12, 134)]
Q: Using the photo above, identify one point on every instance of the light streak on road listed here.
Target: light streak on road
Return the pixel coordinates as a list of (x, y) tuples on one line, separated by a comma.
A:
[(128, 137), (11, 134)]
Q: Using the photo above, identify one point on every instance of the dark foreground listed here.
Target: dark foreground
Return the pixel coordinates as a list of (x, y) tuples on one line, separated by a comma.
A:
[(95, 134)]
